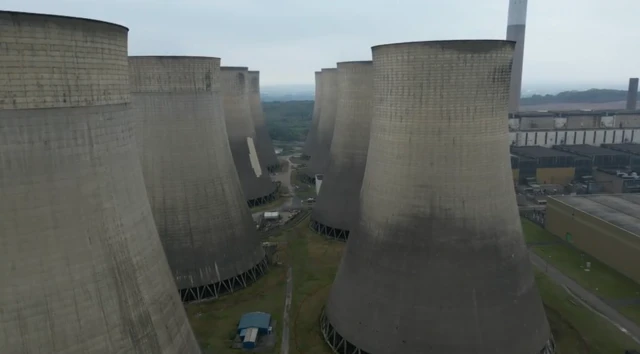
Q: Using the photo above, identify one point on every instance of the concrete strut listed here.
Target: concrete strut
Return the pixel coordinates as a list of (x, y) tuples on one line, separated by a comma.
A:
[(254, 177), (336, 207), (320, 159), (266, 153), (196, 198), (312, 135), (437, 261), (82, 269)]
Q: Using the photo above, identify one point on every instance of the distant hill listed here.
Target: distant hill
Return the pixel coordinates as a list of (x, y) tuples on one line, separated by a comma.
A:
[(589, 99)]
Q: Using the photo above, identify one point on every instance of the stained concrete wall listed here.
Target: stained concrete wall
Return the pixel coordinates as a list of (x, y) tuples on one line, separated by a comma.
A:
[(326, 122), (430, 250), (632, 94), (82, 270), (336, 206), (555, 175), (312, 136), (610, 244), (266, 153), (194, 189), (254, 177)]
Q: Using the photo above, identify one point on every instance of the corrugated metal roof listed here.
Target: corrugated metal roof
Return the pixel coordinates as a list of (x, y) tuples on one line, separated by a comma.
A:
[(622, 210), (259, 320)]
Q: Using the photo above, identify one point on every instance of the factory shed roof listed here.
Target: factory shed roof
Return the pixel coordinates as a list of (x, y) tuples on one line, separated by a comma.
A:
[(535, 152), (260, 320), (588, 150), (621, 210), (628, 148)]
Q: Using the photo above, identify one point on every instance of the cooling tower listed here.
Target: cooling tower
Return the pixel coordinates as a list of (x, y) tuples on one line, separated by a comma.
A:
[(320, 159), (196, 198), (254, 177), (632, 94), (312, 135), (264, 146), (437, 262), (515, 32), (82, 269), (336, 206)]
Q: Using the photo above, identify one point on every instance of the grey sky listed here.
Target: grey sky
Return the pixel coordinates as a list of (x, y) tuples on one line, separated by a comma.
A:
[(571, 42)]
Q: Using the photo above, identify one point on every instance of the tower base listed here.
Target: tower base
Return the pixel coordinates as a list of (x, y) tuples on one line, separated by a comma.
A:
[(227, 286), (340, 345), (262, 200), (328, 231)]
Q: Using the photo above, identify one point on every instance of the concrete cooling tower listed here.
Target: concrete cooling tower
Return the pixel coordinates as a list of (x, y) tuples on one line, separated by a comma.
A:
[(254, 177), (336, 206), (202, 217), (437, 261), (632, 94), (320, 160), (516, 32), (312, 135), (264, 146), (82, 270)]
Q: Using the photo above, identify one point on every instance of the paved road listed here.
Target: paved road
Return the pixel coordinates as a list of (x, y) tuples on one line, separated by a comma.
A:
[(284, 348), (588, 298)]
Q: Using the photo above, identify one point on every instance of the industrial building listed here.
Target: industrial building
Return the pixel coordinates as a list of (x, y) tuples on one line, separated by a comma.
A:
[(551, 166), (615, 181), (252, 326), (606, 227), (336, 206), (632, 149), (433, 263), (197, 201), (599, 157), (264, 146), (312, 135), (254, 176), (321, 154), (516, 28), (82, 268)]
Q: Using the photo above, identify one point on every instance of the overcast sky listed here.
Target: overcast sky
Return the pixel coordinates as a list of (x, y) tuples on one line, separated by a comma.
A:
[(569, 42)]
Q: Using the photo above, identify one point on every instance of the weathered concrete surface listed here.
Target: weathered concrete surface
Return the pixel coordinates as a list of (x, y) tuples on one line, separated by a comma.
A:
[(82, 268), (437, 262), (320, 160), (516, 28), (632, 94), (264, 145), (336, 206), (193, 186), (312, 136), (254, 177)]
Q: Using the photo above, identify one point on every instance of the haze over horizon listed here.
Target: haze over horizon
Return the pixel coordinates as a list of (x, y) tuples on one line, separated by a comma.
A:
[(567, 46)]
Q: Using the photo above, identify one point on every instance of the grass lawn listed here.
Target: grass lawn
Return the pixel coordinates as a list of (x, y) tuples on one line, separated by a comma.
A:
[(568, 318), (600, 280), (315, 260)]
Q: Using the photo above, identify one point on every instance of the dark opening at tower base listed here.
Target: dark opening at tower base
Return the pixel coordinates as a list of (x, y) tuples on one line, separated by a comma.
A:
[(328, 231)]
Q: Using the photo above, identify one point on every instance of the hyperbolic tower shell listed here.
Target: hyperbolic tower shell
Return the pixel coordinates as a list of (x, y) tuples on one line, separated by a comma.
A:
[(82, 269), (193, 186), (264, 145), (516, 26), (312, 135), (320, 159), (254, 178), (437, 262), (336, 207)]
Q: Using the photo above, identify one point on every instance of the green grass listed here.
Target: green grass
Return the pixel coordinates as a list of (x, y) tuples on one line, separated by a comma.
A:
[(568, 317), (600, 280), (304, 190)]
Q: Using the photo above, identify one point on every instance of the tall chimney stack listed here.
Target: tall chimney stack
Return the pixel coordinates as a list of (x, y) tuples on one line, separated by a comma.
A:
[(515, 32), (632, 93)]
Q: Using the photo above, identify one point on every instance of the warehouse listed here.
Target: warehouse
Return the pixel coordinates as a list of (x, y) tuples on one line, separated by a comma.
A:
[(600, 157), (605, 226), (551, 166), (629, 148)]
